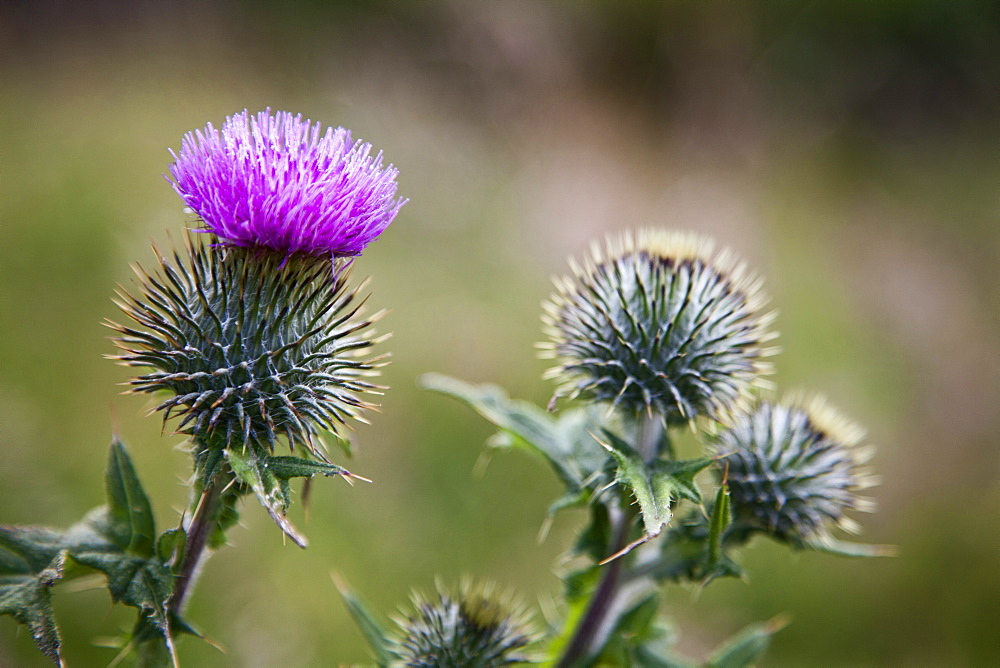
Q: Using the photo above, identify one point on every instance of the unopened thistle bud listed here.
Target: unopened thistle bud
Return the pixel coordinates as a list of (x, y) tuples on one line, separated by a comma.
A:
[(250, 346), (476, 627), (794, 469), (657, 324)]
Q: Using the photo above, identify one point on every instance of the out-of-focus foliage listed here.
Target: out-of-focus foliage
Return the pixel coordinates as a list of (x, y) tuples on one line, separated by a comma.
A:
[(848, 150)]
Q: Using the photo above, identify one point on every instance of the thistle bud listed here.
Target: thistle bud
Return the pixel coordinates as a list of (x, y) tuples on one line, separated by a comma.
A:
[(794, 469), (251, 346), (658, 324), (475, 627)]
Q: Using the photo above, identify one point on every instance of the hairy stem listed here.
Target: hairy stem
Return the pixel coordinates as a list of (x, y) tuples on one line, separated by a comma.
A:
[(198, 529)]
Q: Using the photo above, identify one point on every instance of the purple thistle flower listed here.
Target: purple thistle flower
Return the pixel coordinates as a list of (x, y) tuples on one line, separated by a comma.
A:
[(281, 182)]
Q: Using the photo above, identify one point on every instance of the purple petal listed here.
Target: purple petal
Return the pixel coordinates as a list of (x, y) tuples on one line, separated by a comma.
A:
[(287, 184)]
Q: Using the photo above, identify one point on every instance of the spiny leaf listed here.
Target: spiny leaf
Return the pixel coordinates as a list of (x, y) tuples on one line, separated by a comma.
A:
[(654, 648), (366, 621), (251, 470), (116, 540), (747, 646), (147, 644), (136, 582), (634, 628), (684, 554), (843, 548), (28, 599), (681, 474), (532, 427), (596, 539), (656, 486), (652, 491), (209, 462), (28, 550), (654, 657), (566, 443), (170, 546), (721, 517), (32, 559), (571, 499), (130, 515), (295, 467)]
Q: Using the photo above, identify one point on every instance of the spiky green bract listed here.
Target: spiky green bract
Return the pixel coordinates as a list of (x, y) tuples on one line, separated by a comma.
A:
[(474, 627), (252, 346), (794, 469), (655, 323)]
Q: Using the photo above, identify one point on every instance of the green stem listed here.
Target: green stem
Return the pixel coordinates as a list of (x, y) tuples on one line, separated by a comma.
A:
[(198, 530), (616, 586), (649, 439), (589, 631)]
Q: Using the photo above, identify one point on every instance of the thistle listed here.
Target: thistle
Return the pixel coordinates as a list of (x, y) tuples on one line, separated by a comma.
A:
[(474, 627), (657, 324), (795, 468), (252, 347), (253, 330), (283, 183)]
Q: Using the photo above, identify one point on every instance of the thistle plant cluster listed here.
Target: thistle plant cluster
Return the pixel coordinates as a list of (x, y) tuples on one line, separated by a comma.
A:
[(651, 335), (256, 344), (253, 339)]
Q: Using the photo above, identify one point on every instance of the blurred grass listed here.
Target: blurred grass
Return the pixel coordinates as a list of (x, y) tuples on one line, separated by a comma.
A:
[(848, 151)]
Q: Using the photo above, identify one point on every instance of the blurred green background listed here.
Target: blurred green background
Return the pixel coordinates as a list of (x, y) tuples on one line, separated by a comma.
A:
[(848, 150)]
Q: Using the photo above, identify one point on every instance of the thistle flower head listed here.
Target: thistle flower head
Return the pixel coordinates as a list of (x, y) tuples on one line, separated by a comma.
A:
[(280, 182), (475, 627), (250, 346), (794, 469), (656, 323)]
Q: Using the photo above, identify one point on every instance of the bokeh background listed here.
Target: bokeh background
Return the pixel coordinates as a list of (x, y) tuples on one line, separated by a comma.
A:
[(848, 150)]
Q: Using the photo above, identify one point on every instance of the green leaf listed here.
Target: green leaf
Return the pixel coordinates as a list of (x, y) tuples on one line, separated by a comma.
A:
[(685, 554), (209, 462), (226, 517), (573, 499), (634, 626), (147, 645), (251, 469), (296, 467), (28, 599), (653, 656), (842, 548), (130, 516), (682, 474), (32, 560), (747, 646), (28, 550), (134, 581), (170, 546), (631, 624), (657, 486), (531, 427), (366, 621), (595, 540), (652, 491), (721, 518), (116, 540), (655, 648)]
